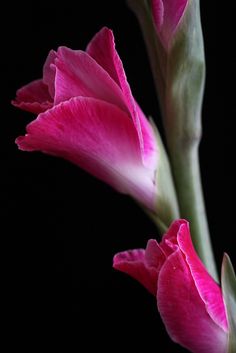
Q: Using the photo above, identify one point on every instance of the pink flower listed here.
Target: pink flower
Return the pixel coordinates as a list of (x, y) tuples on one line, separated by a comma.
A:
[(189, 301), (87, 115), (167, 15)]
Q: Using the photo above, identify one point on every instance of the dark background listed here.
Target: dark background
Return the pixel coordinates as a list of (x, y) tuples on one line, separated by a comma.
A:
[(61, 227)]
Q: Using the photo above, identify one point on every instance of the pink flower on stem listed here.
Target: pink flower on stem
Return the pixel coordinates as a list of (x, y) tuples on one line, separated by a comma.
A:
[(87, 115), (189, 301), (167, 15)]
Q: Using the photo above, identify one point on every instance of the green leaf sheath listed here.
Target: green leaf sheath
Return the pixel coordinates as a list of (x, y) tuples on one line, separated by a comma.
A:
[(228, 280)]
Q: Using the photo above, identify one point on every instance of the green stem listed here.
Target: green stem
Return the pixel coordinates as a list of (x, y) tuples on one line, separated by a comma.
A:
[(188, 183)]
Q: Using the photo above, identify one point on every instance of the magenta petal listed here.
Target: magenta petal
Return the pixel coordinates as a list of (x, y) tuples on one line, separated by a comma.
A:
[(168, 243), (142, 265), (98, 137), (132, 263), (183, 311), (158, 13), (77, 74), (154, 256), (33, 97), (167, 16), (150, 151), (102, 49), (208, 289), (49, 72)]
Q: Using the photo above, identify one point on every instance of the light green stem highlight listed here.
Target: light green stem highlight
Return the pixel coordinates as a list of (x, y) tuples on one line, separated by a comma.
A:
[(191, 203)]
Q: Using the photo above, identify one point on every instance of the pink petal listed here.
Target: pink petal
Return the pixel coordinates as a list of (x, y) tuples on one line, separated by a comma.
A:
[(150, 148), (167, 16), (154, 256), (142, 265), (183, 311), (77, 74), (168, 243), (102, 49), (49, 72), (98, 137), (208, 289), (158, 13), (33, 97)]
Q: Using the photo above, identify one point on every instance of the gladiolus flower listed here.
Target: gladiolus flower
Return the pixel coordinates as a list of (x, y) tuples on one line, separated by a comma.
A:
[(167, 15), (189, 300), (87, 115)]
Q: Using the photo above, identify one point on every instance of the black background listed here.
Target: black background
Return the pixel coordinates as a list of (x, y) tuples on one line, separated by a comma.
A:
[(61, 227)]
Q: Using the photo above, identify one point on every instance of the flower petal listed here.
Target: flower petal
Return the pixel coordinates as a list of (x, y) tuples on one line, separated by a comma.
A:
[(154, 256), (49, 72), (208, 289), (150, 149), (168, 243), (183, 311), (158, 13), (77, 74), (98, 137), (33, 97), (142, 265), (102, 49)]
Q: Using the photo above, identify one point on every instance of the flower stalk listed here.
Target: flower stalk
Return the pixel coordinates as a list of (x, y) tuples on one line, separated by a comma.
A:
[(179, 75)]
